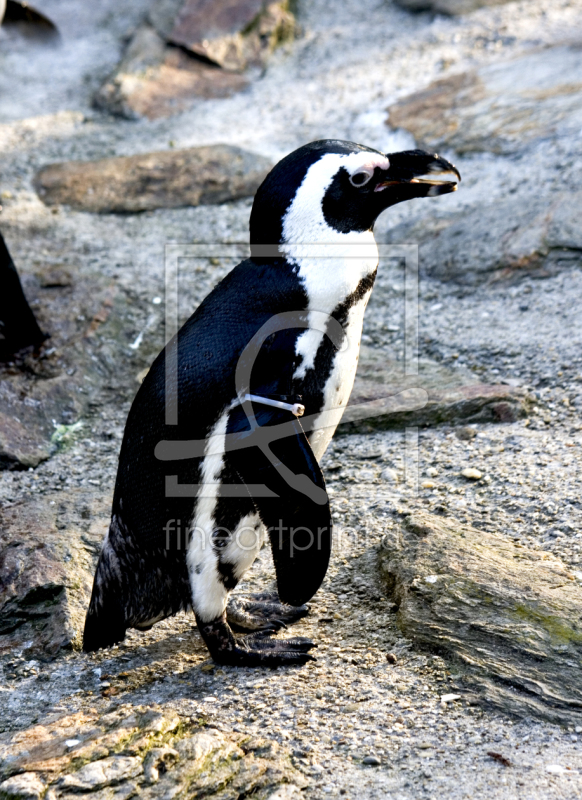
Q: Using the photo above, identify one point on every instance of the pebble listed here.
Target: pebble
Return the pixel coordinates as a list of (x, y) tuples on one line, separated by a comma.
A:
[(450, 698), (432, 472), (389, 475), (371, 761), (428, 485), (472, 474)]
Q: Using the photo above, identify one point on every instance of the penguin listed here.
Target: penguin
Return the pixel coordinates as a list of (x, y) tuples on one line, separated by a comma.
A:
[(18, 325), (223, 440)]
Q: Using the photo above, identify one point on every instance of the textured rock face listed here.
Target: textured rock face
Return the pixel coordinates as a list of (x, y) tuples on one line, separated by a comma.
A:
[(198, 175), (508, 238), (232, 34), (27, 431), (451, 7), (508, 616), (193, 48), (148, 751), (384, 397), (155, 81), (500, 107), (511, 108), (46, 570)]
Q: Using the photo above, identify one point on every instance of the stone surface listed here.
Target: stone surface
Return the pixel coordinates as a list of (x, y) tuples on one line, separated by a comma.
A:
[(505, 240), (192, 49), (500, 107), (352, 701), (47, 558), (287, 792), (122, 745), (507, 616), (105, 772), (168, 179), (233, 34), (28, 419), (154, 80), (451, 7), (385, 397), (27, 786), (526, 105)]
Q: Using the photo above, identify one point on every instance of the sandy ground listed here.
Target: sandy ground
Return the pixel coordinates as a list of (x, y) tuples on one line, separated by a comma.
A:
[(351, 61)]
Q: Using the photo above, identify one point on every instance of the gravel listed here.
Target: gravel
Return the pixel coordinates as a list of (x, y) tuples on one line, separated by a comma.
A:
[(372, 717)]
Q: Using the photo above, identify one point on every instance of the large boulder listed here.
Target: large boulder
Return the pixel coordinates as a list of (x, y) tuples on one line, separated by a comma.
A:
[(148, 751), (167, 179), (510, 237), (385, 397), (499, 107), (509, 618), (188, 49), (48, 550)]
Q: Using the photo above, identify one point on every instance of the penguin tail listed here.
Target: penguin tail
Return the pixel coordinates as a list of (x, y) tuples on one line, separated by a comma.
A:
[(104, 626), (105, 623)]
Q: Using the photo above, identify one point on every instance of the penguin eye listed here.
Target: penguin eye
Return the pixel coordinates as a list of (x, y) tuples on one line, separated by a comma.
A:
[(361, 177)]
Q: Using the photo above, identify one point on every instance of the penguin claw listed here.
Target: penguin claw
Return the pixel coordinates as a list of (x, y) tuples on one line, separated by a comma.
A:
[(258, 649), (262, 612), (261, 642)]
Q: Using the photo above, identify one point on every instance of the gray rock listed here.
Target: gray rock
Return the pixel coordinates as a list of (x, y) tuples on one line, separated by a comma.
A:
[(371, 761), (508, 108), (30, 407), (27, 786), (384, 397), (156, 80), (505, 239), (232, 34), (153, 80), (168, 179), (159, 759), (508, 617), (499, 107), (106, 772), (46, 570)]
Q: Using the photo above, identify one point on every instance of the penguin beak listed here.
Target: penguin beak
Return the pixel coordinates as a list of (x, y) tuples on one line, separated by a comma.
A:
[(416, 173)]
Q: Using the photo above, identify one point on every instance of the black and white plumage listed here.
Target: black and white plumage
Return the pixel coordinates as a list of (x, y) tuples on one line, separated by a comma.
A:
[(299, 300)]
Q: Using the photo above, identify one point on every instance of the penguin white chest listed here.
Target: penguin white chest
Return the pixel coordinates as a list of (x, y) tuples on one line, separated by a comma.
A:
[(340, 382), (331, 284)]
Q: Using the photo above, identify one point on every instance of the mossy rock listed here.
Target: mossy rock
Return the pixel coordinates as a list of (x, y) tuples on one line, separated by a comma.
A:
[(509, 617)]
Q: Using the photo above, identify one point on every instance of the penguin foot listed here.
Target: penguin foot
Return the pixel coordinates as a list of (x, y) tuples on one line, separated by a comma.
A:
[(256, 650), (262, 612), (264, 651)]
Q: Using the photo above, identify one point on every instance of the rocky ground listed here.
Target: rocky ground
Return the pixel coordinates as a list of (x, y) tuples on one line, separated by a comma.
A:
[(498, 304)]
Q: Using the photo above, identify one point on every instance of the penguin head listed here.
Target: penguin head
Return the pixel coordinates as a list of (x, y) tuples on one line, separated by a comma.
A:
[(330, 189)]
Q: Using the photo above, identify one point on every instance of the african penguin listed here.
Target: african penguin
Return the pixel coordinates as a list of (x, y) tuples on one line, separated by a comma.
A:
[(259, 377)]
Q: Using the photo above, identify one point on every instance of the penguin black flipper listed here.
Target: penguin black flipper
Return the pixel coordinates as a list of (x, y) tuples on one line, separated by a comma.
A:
[(270, 451)]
